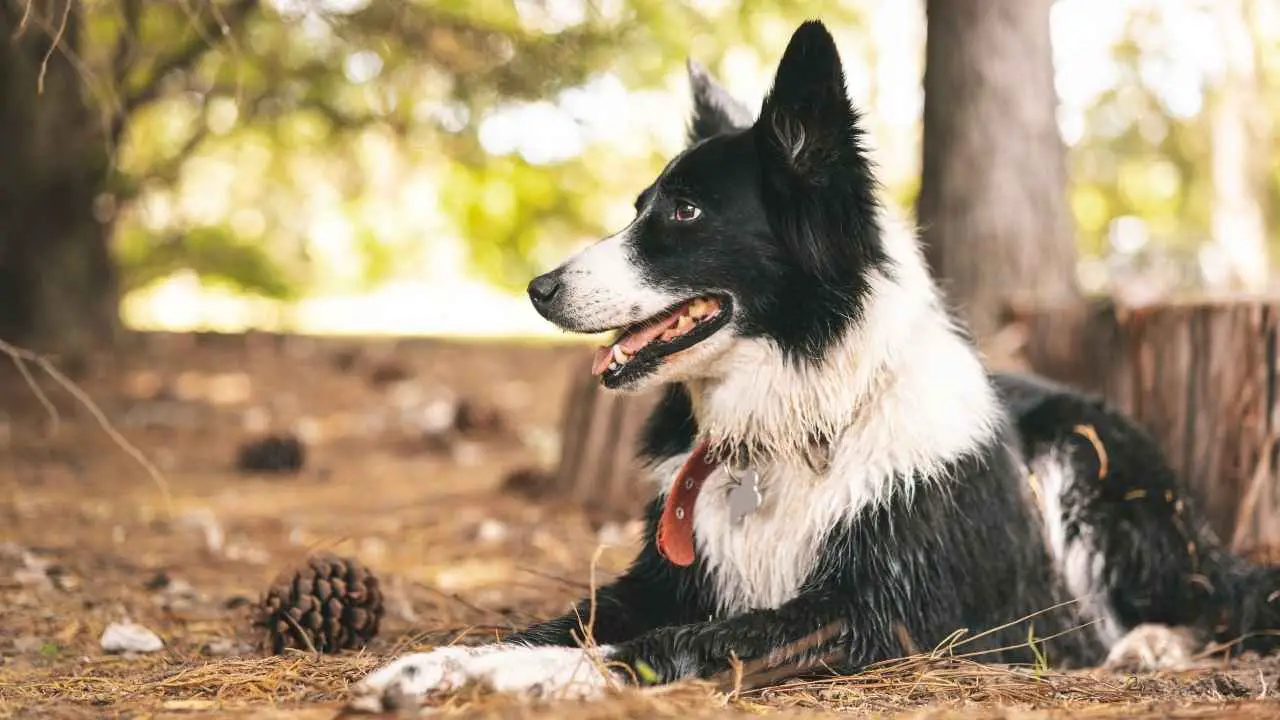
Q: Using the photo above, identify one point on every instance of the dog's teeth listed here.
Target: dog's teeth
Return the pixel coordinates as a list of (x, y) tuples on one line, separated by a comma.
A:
[(698, 308), (614, 366), (620, 356), (683, 324), (668, 335)]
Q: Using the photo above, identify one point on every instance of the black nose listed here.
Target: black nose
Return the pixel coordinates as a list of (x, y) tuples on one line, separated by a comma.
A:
[(543, 289)]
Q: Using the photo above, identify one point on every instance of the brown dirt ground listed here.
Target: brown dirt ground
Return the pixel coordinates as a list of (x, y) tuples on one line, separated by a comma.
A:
[(84, 527)]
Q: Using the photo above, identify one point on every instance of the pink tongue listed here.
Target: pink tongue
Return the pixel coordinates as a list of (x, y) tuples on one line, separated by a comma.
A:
[(603, 356), (633, 341), (645, 335)]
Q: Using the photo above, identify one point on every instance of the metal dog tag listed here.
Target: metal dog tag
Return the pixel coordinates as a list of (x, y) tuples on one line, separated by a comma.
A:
[(744, 495)]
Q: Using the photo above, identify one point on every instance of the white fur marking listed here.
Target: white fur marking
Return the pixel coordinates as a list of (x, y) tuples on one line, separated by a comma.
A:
[(531, 671), (604, 289), (1079, 563)]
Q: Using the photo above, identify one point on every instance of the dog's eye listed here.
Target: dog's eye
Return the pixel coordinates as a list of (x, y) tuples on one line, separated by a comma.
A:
[(685, 212)]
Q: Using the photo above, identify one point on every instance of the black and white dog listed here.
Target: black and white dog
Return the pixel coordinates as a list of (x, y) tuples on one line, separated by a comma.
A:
[(833, 461)]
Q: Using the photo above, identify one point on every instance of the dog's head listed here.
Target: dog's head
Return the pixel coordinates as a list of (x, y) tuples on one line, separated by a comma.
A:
[(763, 231)]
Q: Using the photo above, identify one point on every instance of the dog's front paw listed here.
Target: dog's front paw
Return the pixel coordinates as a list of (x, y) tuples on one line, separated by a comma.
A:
[(406, 680), (544, 672)]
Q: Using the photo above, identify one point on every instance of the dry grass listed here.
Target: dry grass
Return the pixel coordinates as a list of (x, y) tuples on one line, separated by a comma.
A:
[(461, 561)]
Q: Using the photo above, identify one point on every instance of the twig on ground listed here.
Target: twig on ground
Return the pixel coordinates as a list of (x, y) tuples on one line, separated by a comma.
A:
[(21, 356)]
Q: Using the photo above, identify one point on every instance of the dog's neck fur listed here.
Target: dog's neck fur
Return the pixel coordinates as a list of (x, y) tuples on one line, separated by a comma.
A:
[(902, 389)]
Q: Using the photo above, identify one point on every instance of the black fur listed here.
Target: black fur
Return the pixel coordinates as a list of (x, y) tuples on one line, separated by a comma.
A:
[(1163, 564)]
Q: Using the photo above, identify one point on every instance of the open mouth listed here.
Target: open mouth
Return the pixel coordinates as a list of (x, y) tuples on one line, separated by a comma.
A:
[(644, 345)]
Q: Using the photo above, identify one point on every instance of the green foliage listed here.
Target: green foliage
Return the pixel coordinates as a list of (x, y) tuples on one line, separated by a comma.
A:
[(293, 98), (263, 129), (214, 253)]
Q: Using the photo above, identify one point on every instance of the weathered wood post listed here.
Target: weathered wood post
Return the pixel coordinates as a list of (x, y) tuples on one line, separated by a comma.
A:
[(597, 466)]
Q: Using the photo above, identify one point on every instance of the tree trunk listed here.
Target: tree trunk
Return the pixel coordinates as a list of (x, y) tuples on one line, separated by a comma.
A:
[(600, 430), (993, 205), (1202, 378), (1239, 158), (57, 280)]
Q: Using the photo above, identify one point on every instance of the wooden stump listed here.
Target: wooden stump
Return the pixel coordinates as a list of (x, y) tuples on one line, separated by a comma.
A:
[(600, 430), (1202, 378)]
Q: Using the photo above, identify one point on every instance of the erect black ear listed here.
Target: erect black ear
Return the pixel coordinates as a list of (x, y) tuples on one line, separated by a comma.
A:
[(715, 111), (819, 190), (806, 117)]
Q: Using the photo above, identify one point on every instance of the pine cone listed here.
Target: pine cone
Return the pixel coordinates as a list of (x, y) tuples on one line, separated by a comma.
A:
[(272, 454), (330, 604)]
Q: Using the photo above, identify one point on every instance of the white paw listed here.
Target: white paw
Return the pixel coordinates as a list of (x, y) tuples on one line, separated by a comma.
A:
[(407, 679), (1152, 646), (535, 672), (545, 672)]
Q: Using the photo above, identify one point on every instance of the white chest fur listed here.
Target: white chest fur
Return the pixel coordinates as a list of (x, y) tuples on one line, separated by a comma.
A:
[(762, 561)]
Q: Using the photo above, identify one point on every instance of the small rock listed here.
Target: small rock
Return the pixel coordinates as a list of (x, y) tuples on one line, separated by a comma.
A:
[(224, 647), (436, 417), (492, 531), (128, 637)]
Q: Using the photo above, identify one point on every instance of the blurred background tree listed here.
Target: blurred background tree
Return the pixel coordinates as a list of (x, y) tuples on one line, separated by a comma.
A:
[(268, 162), (281, 110), (993, 206)]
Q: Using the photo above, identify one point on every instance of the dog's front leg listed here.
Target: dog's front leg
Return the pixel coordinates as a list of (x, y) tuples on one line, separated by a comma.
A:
[(547, 658), (801, 633)]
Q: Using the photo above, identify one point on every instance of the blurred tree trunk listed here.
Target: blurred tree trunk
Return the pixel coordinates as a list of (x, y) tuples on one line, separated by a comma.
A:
[(57, 281), (993, 205), (1239, 158)]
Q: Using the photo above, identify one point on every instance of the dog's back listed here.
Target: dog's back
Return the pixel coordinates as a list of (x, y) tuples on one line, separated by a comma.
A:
[(1122, 529)]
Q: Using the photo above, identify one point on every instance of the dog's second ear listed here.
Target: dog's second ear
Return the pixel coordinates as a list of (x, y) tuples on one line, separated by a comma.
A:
[(807, 118), (715, 111)]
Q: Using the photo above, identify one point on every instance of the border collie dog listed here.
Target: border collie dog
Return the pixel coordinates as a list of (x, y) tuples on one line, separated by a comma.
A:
[(838, 476)]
